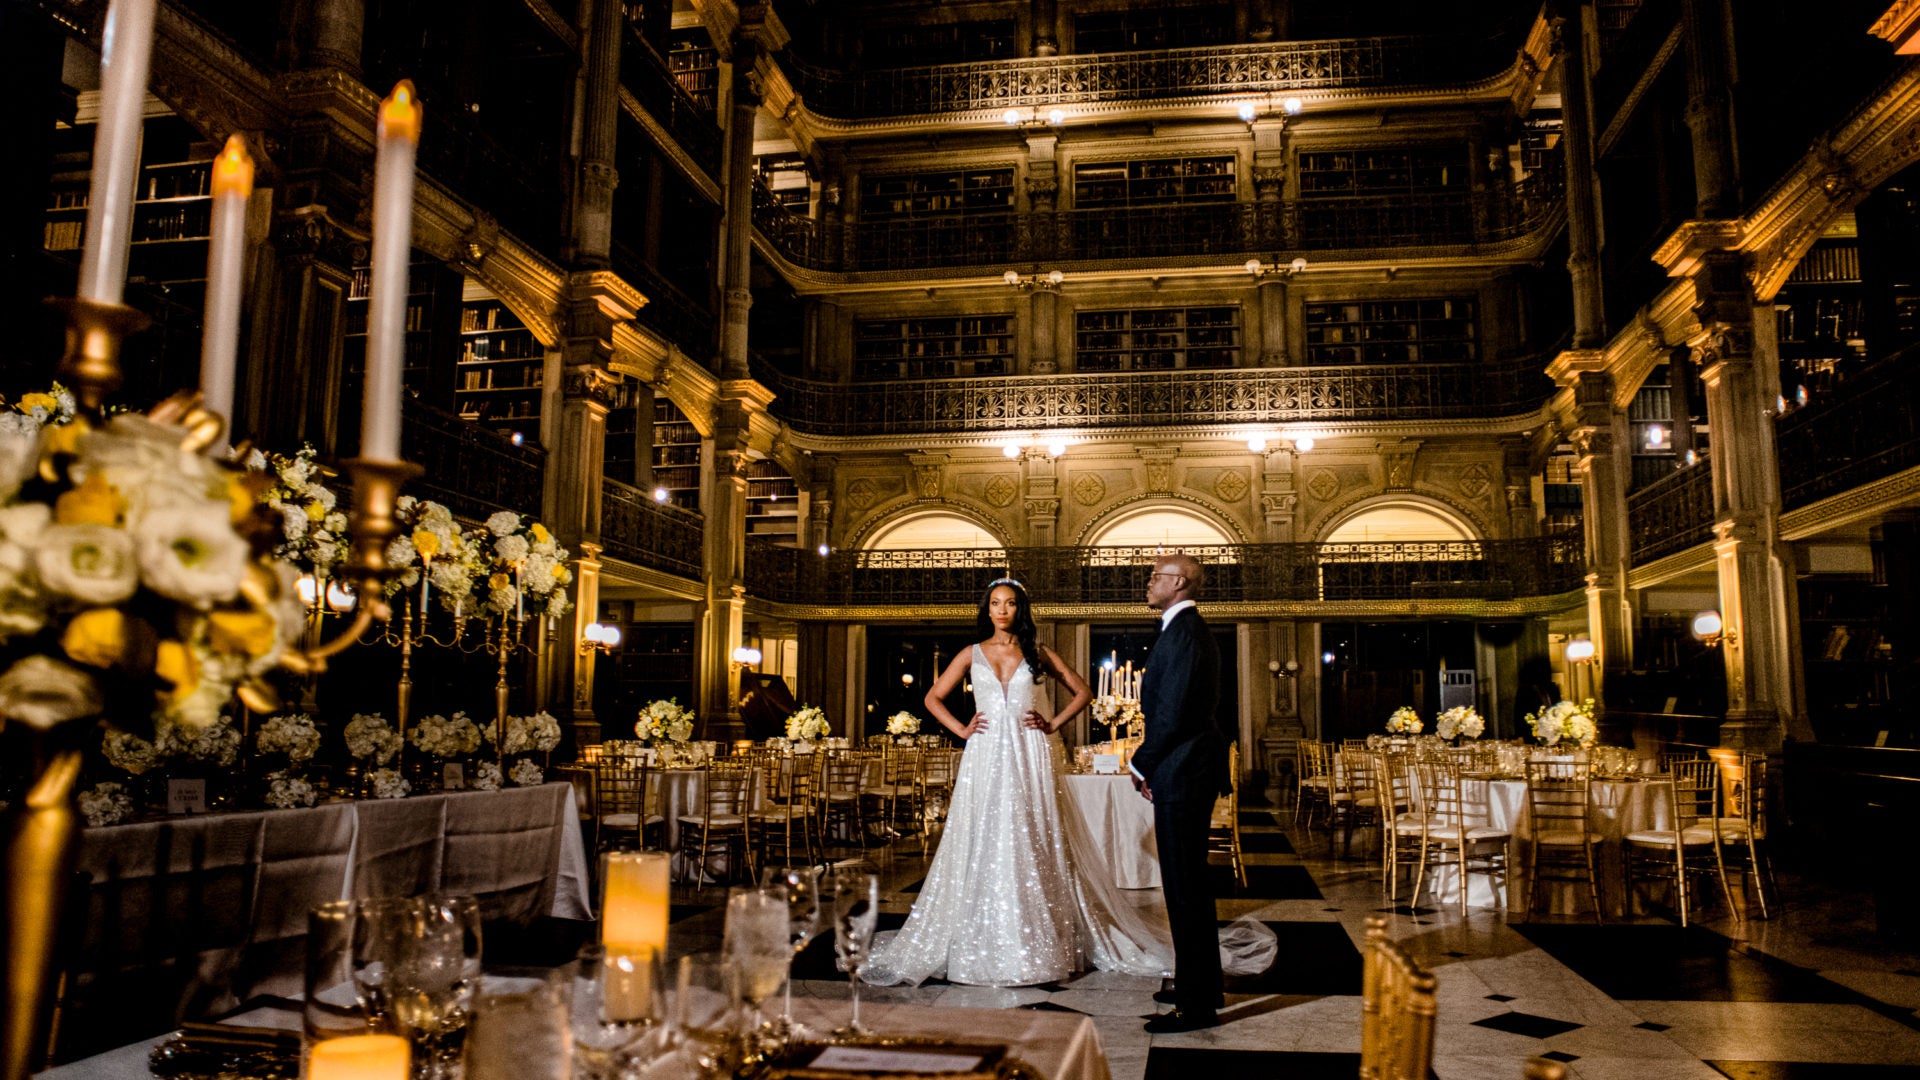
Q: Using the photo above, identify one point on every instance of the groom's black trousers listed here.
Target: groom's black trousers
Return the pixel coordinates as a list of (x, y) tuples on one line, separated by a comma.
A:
[(1180, 829)]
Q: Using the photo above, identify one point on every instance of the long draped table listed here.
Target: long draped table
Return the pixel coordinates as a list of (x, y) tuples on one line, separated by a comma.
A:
[(1121, 824), (190, 916)]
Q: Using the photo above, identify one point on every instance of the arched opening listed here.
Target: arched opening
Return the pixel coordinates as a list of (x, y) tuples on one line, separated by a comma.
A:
[(935, 530), (1169, 527), (1399, 523)]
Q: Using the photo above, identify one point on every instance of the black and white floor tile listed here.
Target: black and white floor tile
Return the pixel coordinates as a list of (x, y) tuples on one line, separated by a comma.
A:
[(1812, 994)]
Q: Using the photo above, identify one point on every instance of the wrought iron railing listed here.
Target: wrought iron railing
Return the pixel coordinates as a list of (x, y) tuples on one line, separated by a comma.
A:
[(668, 312), (992, 85), (472, 470), (1159, 398), (652, 84), (1867, 429), (1671, 514), (1459, 570), (1227, 230), (647, 533)]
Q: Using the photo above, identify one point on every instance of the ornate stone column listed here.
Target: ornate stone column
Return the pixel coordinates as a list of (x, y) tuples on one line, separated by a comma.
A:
[(1273, 322), (1046, 18), (737, 254), (1041, 488), (1600, 436), (1583, 236), (1277, 495), (1709, 109), (593, 196), (336, 28)]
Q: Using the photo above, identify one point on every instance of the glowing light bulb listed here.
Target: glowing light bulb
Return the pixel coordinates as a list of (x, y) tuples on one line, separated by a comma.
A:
[(1011, 450), (1579, 650), (1056, 448), (1055, 277), (1326, 658), (1011, 277), (659, 494), (1257, 444), (1248, 111), (1011, 117), (1707, 624), (1253, 266), (823, 550), (1292, 106), (1303, 444), (1056, 117)]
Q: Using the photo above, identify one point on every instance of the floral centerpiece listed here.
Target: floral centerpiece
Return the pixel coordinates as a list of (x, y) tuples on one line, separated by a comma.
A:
[(1404, 721), (663, 721), (1457, 721), (526, 774), (215, 746), (1116, 711), (486, 776), (903, 723), (105, 804), (1565, 721), (808, 722), (371, 739), (529, 570), (286, 792), (434, 554), (129, 753), (536, 734), (313, 530), (291, 734), (445, 737), (389, 784)]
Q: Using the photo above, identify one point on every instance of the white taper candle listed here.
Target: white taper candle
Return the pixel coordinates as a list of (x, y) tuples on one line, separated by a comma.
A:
[(220, 335), (126, 45), (398, 138)]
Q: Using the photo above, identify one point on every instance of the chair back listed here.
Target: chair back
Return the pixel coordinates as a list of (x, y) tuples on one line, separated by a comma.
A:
[(1558, 797), (1396, 784), (1397, 1011), (1743, 792), (728, 789), (1355, 769), (1696, 792), (1315, 761), (939, 766), (841, 771)]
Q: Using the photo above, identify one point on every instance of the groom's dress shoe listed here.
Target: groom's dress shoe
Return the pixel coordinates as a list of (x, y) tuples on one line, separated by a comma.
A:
[(1178, 1021), (1171, 997)]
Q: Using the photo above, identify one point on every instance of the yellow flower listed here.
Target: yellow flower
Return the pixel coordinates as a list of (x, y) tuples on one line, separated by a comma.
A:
[(94, 502), (499, 581), (97, 637), (174, 662), (540, 533), (243, 494), (560, 571), (65, 439), (316, 512), (248, 633), (30, 402), (426, 543)]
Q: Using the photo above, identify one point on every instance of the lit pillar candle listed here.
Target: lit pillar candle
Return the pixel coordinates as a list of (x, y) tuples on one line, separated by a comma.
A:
[(220, 337), (398, 134), (359, 1057), (126, 45), (633, 928)]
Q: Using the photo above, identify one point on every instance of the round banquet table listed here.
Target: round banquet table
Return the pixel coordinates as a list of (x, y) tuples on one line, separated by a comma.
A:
[(1618, 808), (1121, 824), (683, 791)]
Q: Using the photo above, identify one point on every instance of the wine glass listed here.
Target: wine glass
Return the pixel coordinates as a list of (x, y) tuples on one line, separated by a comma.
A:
[(758, 951), (618, 998), (520, 1032), (856, 912), (800, 887), (415, 965)]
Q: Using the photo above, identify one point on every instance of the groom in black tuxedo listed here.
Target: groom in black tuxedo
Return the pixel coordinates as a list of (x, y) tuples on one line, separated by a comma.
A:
[(1181, 766)]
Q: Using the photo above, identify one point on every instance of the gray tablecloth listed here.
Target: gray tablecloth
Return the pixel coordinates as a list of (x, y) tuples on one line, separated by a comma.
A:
[(1121, 823), (191, 916)]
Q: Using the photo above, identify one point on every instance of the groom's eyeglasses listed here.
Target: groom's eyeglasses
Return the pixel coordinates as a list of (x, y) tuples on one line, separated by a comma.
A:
[(1163, 573)]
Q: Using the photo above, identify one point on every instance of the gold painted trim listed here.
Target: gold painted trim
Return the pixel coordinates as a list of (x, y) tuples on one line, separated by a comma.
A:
[(1219, 611), (1852, 506)]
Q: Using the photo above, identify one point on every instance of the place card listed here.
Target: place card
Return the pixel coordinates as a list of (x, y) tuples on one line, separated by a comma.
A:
[(1106, 764), (879, 1060), (186, 796), (453, 776)]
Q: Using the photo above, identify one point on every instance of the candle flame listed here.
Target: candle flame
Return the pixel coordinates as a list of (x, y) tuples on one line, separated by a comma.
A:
[(400, 113), (233, 169)]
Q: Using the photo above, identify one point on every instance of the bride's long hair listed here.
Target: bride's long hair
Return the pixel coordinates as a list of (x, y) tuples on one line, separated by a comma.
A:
[(1022, 629)]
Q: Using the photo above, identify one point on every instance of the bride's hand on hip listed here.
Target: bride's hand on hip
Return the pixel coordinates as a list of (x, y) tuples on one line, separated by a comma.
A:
[(1034, 721), (978, 725)]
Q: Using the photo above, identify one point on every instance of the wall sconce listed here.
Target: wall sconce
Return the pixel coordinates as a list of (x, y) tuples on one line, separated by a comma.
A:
[(745, 656), (1257, 444), (1017, 117), (1035, 282), (1265, 270), (1291, 106), (906, 680), (1288, 670), (337, 598), (1579, 650), (1711, 630), (1057, 448), (599, 637), (1302, 443)]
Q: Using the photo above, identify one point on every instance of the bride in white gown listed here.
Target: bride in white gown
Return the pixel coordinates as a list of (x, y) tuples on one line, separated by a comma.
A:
[(1015, 895)]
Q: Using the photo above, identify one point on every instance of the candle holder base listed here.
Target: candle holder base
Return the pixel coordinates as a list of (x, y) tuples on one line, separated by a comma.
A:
[(90, 366)]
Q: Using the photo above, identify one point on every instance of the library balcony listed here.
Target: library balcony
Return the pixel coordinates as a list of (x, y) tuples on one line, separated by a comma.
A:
[(1191, 232), (1141, 399), (636, 529), (472, 470), (1866, 429), (991, 86), (1471, 571), (661, 92), (1671, 514)]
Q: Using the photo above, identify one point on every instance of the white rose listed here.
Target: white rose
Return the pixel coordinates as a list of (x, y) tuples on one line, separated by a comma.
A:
[(19, 456), (257, 461), (323, 495), (504, 523), (293, 521), (190, 553), (436, 517), (94, 564), (145, 461), (511, 549), (42, 692)]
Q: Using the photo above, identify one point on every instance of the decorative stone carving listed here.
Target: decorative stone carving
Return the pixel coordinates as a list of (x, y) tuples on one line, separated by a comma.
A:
[(1474, 480), (1231, 485), (1159, 470), (1323, 484), (588, 381), (1043, 509), (1089, 489), (929, 470), (862, 492), (1397, 459), (1000, 490)]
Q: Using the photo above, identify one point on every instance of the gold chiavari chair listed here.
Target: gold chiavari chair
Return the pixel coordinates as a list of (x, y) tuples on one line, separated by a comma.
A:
[(1743, 825), (893, 792), (842, 774), (1560, 826), (1313, 781), (1398, 1008), (1456, 831), (939, 766), (1691, 848), (1223, 831), (789, 809), (621, 804), (1355, 797), (720, 828), (1403, 821)]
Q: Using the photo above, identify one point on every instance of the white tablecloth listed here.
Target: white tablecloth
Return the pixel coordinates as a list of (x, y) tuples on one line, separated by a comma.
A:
[(1618, 808), (201, 913), (1121, 823)]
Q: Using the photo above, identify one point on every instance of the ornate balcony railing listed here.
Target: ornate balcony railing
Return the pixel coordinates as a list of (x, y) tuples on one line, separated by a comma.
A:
[(992, 85), (475, 472), (1159, 398), (641, 531), (1461, 570), (1229, 231), (1671, 514), (647, 77), (1868, 429)]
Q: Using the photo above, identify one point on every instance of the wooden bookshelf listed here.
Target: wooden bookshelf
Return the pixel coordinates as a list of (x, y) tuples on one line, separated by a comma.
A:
[(1157, 339), (676, 455), (501, 371), (1848, 656), (944, 194), (1387, 171), (773, 503), (1155, 182), (1420, 331), (432, 324), (1137, 28), (626, 438), (653, 662), (962, 345), (1819, 314), (697, 69)]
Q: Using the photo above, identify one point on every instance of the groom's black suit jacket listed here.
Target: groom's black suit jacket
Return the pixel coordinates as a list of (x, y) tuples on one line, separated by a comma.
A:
[(1184, 754)]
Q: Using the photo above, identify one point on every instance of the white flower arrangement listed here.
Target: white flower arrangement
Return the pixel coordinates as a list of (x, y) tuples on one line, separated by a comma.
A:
[(128, 752), (433, 543), (105, 804), (538, 733), (53, 407), (389, 784), (313, 531), (903, 723), (525, 773), (529, 572), (446, 737), (217, 743), (287, 792), (663, 721), (1565, 721), (1459, 720), (486, 776), (125, 563), (1404, 721), (293, 735), (808, 722), (1116, 711), (369, 736)]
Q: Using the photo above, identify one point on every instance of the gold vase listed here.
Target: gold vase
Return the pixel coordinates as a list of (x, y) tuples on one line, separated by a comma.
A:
[(42, 838)]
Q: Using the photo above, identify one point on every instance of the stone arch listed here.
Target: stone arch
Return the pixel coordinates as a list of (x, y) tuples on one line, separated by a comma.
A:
[(888, 521), (1201, 514), (1461, 522)]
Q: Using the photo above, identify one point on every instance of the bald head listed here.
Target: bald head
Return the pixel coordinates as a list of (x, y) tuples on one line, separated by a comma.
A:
[(1176, 577)]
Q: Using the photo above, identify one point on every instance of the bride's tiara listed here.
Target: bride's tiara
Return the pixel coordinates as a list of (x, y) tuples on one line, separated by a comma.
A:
[(1015, 582)]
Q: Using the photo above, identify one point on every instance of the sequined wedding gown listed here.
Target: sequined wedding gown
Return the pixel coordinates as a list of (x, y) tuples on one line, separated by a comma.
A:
[(1005, 903)]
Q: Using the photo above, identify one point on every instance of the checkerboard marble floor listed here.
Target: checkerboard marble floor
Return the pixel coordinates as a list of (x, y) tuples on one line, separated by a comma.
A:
[(1813, 993)]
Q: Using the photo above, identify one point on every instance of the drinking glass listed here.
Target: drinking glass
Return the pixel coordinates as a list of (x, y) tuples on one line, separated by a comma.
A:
[(799, 886), (415, 964), (618, 999), (330, 1008), (520, 1031), (758, 950), (856, 912)]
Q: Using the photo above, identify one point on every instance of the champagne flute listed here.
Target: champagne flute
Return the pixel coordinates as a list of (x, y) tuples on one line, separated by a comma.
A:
[(856, 912), (800, 886), (758, 951)]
